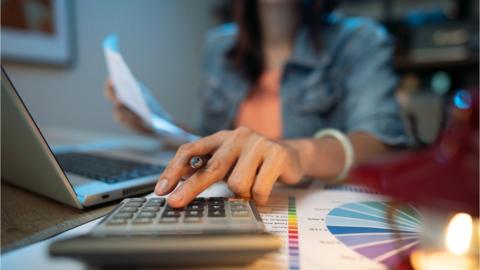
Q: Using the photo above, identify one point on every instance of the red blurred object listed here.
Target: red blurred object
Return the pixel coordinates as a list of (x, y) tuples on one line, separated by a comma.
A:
[(443, 176)]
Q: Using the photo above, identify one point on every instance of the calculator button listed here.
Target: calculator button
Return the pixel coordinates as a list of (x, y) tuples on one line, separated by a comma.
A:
[(195, 207), (216, 213), (218, 199), (120, 221), (150, 209), (146, 215), (193, 213), (128, 209), (169, 208), (216, 207), (156, 201), (238, 207), (171, 213), (137, 200), (154, 204), (240, 213), (199, 200), (215, 203), (142, 220), (133, 204), (123, 215), (168, 220), (192, 219)]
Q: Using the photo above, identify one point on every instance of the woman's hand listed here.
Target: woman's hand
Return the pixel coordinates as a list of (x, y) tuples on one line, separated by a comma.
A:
[(124, 115), (249, 162)]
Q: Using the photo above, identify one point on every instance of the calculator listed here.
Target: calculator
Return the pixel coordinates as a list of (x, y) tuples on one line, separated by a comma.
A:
[(210, 231)]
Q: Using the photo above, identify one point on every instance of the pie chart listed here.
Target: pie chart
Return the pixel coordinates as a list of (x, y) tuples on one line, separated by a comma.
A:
[(366, 228)]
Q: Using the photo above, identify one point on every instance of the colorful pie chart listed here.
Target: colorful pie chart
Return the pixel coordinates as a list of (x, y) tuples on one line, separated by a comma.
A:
[(374, 232)]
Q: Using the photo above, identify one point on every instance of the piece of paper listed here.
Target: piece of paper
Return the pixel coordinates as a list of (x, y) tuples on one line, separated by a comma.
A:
[(334, 227), (340, 227), (136, 96)]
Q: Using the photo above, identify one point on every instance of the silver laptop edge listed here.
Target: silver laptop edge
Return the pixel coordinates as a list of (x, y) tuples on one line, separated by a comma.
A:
[(27, 160)]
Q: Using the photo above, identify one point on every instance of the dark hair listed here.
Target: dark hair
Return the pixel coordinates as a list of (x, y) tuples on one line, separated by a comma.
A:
[(246, 54)]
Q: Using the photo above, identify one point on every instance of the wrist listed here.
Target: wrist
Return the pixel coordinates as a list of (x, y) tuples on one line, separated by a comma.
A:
[(304, 153), (345, 156)]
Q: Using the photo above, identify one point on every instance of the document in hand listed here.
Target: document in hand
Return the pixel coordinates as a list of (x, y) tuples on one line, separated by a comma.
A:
[(136, 96)]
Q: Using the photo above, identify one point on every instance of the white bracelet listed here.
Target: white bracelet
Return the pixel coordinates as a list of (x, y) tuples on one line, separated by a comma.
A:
[(347, 148)]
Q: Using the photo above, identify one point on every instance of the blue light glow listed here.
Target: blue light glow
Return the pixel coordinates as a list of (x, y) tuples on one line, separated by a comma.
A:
[(462, 99), (111, 42)]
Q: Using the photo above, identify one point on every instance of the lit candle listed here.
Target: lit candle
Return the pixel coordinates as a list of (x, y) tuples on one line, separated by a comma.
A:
[(460, 251)]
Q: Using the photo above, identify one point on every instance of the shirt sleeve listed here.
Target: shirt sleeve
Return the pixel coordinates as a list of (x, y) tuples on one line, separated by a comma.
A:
[(214, 104), (370, 102)]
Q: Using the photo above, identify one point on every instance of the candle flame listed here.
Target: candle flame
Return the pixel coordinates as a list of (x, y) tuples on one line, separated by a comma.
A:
[(459, 234)]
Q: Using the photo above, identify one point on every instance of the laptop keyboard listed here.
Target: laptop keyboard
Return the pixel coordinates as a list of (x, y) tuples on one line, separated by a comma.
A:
[(106, 169)]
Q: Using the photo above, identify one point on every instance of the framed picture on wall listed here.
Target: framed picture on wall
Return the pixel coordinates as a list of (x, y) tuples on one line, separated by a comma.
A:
[(37, 31)]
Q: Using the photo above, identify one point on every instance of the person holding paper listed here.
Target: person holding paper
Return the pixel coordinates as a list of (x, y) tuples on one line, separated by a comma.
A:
[(291, 90)]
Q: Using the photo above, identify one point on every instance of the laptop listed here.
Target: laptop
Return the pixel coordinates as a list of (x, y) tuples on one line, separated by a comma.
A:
[(76, 176)]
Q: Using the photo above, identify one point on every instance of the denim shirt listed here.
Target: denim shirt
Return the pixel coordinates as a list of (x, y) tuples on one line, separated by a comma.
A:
[(348, 85)]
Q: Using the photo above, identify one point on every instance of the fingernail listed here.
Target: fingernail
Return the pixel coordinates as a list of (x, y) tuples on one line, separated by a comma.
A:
[(162, 186), (176, 197)]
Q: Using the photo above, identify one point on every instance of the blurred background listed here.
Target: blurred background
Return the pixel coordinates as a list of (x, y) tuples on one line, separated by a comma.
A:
[(161, 41)]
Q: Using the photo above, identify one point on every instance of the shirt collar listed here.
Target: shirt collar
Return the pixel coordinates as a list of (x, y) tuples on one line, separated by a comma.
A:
[(304, 52)]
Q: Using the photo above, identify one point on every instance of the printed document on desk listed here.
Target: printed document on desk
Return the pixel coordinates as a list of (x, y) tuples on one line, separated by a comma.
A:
[(338, 227), (136, 96)]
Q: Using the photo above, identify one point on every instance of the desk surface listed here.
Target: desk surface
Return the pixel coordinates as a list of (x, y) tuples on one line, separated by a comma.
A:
[(28, 218)]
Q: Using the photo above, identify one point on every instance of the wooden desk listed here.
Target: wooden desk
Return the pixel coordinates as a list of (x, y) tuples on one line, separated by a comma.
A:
[(27, 218)]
